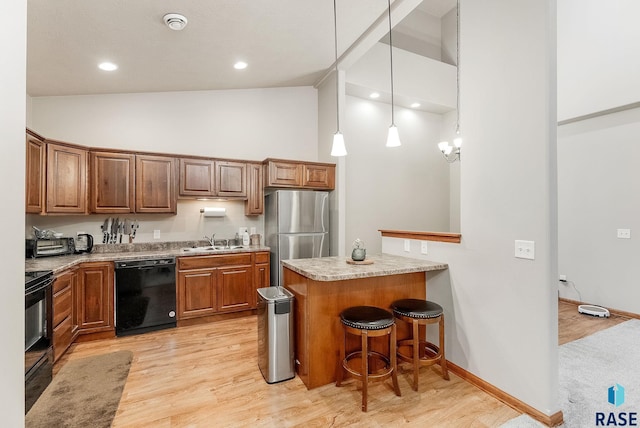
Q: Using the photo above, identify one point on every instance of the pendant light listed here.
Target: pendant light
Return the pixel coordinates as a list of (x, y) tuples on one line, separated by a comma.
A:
[(393, 139), (337, 148)]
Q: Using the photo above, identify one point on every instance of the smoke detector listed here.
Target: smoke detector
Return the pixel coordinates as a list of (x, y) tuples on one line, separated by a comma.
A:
[(175, 21)]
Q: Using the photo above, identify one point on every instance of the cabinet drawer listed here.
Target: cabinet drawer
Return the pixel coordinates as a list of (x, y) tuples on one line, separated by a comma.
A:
[(262, 257), (62, 336), (61, 306), (203, 262)]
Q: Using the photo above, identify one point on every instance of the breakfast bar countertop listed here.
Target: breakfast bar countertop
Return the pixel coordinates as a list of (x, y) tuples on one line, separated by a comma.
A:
[(337, 268)]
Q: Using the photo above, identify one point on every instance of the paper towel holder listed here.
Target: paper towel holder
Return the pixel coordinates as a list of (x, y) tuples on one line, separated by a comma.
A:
[(213, 211)]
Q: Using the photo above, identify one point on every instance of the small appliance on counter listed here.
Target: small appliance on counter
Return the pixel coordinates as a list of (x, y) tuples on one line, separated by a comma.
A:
[(45, 247), (84, 243)]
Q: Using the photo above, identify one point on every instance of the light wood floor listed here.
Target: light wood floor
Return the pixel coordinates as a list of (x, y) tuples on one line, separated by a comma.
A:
[(208, 376)]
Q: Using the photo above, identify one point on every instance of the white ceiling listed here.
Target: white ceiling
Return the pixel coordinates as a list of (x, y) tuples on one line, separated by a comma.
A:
[(285, 42)]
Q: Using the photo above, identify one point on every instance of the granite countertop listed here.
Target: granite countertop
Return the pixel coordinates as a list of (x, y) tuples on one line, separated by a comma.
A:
[(113, 252), (337, 268)]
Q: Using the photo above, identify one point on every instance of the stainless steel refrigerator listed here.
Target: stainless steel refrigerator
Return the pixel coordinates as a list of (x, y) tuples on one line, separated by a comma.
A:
[(296, 227)]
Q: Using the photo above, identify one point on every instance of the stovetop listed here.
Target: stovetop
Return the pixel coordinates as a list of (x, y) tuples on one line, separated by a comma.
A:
[(36, 277)]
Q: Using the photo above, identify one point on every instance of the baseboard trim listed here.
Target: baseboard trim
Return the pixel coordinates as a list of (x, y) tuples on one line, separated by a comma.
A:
[(611, 310), (509, 400)]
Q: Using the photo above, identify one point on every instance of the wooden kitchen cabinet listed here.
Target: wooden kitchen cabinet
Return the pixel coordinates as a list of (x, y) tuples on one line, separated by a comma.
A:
[(209, 285), (235, 288), (155, 184), (261, 271), (35, 173), (254, 204), (197, 295), (66, 179), (95, 297), (65, 326), (299, 174), (231, 179), (112, 182), (197, 177)]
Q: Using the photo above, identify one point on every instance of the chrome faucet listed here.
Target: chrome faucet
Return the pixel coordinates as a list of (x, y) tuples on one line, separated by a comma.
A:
[(211, 240)]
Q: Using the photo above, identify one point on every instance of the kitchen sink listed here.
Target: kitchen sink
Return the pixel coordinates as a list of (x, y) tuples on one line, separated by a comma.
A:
[(213, 248)]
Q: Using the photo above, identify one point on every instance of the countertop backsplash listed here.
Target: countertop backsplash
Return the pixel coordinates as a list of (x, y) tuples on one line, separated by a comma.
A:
[(187, 225)]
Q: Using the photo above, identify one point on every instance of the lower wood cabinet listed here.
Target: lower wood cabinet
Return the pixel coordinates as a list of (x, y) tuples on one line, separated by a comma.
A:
[(208, 285), (65, 324), (95, 297)]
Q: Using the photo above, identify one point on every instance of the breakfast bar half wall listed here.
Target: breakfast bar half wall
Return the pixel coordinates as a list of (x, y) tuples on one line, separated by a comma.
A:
[(323, 287)]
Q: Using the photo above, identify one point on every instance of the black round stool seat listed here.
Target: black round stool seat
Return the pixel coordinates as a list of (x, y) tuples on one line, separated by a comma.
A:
[(416, 308), (367, 318)]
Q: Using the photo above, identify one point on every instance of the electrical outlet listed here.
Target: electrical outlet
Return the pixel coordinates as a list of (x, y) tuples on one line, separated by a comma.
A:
[(407, 245), (156, 234), (624, 233), (562, 278), (525, 250), (424, 249)]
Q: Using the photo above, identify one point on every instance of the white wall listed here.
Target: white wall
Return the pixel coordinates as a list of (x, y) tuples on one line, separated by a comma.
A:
[(405, 187), (598, 59), (12, 168), (508, 192), (246, 124), (598, 188)]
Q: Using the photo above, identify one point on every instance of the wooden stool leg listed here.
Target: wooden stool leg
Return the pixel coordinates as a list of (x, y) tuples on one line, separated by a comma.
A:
[(416, 353), (365, 369), (339, 367), (443, 360), (394, 362)]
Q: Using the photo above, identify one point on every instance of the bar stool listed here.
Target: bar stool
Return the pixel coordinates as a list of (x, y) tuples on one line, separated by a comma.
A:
[(419, 312), (366, 322)]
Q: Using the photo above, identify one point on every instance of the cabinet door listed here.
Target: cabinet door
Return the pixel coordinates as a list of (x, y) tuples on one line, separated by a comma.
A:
[(318, 176), (284, 174), (235, 289), (196, 293), (35, 174), (95, 297), (66, 179), (112, 178), (231, 179), (255, 190), (197, 177), (155, 184)]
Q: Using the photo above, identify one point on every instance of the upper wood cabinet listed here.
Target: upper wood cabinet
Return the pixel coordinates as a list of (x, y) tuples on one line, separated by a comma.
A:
[(112, 182), (155, 184), (197, 177), (254, 205), (231, 179), (301, 175), (35, 173), (66, 179)]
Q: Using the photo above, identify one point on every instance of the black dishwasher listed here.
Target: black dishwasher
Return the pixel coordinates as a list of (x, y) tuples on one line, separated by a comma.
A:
[(145, 295)]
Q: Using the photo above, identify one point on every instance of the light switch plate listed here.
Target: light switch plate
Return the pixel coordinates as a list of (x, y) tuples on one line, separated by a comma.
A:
[(156, 234), (424, 249), (407, 245), (525, 250), (624, 233)]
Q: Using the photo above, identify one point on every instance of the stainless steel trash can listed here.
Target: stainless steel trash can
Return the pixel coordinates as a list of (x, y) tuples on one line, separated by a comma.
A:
[(275, 334)]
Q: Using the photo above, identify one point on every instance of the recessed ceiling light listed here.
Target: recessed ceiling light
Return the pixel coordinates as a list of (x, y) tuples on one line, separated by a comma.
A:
[(240, 65), (415, 105), (374, 95), (107, 66)]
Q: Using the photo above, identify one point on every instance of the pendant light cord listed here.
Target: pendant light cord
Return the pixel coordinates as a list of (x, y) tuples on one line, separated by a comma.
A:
[(458, 68), (335, 32), (391, 63)]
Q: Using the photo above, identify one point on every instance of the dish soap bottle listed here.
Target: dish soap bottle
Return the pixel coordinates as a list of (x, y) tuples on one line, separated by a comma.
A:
[(245, 238)]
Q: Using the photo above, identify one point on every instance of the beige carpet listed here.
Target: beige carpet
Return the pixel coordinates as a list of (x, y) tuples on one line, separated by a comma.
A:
[(85, 393)]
